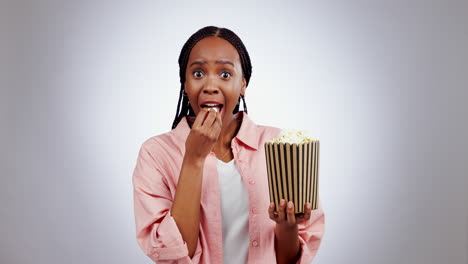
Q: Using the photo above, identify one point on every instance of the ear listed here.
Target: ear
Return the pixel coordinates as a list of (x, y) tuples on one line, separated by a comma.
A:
[(244, 86)]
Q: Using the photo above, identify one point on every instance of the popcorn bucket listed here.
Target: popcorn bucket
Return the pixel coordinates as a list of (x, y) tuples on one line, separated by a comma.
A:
[(293, 172)]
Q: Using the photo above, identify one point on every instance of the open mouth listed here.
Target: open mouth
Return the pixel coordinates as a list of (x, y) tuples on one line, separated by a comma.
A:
[(216, 107)]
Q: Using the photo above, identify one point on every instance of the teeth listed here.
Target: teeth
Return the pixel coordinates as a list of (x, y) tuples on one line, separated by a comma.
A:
[(212, 106)]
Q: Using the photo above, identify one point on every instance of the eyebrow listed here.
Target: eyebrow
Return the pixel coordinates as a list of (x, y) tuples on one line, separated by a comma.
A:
[(217, 62)]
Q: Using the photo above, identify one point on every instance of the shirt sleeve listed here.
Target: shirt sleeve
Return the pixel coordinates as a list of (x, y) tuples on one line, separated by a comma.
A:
[(156, 231), (311, 234)]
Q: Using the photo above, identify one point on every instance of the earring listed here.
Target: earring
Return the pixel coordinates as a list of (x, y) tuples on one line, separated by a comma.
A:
[(245, 105), (184, 93)]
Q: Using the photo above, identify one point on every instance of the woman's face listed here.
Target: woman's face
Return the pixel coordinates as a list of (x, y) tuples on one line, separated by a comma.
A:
[(214, 75)]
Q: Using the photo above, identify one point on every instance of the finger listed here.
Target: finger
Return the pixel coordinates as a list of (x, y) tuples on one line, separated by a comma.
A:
[(215, 132), (299, 218), (210, 117), (307, 211), (271, 212), (219, 119), (281, 213), (299, 215), (217, 123), (200, 117), (290, 212), (215, 129)]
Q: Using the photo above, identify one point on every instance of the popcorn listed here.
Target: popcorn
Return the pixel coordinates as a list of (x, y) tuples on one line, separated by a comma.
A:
[(292, 161), (293, 136)]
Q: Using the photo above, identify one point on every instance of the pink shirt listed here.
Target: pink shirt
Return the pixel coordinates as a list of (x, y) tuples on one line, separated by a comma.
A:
[(155, 181)]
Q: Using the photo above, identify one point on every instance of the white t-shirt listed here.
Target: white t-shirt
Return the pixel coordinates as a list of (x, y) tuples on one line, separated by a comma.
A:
[(235, 213)]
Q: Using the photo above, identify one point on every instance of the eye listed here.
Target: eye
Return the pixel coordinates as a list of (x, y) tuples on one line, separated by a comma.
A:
[(226, 74), (197, 74)]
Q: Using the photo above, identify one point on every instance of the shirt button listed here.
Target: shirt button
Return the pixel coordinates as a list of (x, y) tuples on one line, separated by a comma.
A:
[(251, 182), (254, 210), (255, 243)]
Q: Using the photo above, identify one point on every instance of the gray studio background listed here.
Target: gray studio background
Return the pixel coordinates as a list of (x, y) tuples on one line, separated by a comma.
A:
[(383, 84)]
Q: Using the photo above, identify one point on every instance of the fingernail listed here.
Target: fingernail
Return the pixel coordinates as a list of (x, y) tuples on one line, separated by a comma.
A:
[(308, 206), (272, 205), (283, 202), (290, 205)]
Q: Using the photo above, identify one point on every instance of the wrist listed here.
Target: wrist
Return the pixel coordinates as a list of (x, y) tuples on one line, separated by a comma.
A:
[(194, 160), (287, 245), (286, 228)]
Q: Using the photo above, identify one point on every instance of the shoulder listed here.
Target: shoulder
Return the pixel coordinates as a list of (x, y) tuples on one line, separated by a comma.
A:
[(256, 134), (266, 133), (161, 146), (268, 130), (156, 141)]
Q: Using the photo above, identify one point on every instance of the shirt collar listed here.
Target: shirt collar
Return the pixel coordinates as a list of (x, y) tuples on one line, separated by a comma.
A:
[(247, 133)]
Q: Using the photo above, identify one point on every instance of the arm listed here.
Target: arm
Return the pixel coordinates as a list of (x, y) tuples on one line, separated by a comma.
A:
[(297, 238), (287, 246), (167, 229), (157, 232), (186, 207)]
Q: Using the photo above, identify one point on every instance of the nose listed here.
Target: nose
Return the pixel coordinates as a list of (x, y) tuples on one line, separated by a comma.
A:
[(210, 87)]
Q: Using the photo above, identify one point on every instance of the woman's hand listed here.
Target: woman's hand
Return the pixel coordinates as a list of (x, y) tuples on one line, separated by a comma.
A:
[(204, 134), (285, 217), (287, 245)]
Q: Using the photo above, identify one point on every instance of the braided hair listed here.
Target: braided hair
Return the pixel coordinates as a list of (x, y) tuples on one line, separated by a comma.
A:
[(183, 106)]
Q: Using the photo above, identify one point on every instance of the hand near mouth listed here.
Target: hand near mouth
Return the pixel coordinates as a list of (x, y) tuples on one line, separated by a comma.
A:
[(204, 133)]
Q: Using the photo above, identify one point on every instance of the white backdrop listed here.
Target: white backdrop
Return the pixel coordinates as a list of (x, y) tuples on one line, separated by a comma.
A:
[(383, 84)]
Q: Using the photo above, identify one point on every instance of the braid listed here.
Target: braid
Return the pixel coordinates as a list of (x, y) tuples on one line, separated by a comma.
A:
[(183, 106), (232, 38)]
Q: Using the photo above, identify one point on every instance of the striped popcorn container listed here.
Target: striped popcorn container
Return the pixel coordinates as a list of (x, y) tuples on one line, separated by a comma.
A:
[(293, 172)]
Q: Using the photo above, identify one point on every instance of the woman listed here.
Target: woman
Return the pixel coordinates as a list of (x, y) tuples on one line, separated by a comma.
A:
[(201, 190)]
